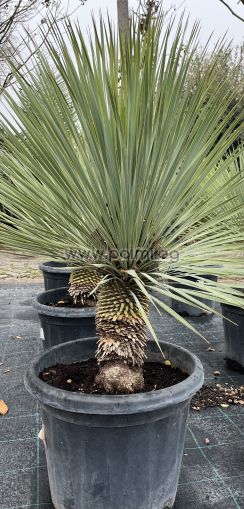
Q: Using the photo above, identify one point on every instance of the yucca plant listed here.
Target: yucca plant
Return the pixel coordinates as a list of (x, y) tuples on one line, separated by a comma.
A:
[(114, 165), (229, 68), (232, 167), (228, 169)]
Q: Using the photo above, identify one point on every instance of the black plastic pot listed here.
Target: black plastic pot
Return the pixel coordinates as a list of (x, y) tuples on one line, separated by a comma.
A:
[(63, 324), (234, 336), (114, 452), (186, 309), (54, 276)]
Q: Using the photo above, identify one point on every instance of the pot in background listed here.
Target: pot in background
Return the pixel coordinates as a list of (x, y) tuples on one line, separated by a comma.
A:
[(234, 336), (54, 275), (187, 309), (114, 452), (59, 324)]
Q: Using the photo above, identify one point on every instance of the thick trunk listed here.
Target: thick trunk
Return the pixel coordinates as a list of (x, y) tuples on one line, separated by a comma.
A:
[(123, 15), (121, 347), (119, 378)]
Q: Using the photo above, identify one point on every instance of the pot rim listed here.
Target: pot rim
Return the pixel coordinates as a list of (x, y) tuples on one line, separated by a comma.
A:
[(45, 267), (44, 309), (114, 405)]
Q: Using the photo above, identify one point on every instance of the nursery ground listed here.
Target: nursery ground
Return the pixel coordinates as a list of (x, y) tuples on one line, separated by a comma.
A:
[(212, 475), (14, 266)]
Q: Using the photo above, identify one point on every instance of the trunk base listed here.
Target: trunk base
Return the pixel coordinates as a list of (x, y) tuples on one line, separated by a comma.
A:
[(118, 377)]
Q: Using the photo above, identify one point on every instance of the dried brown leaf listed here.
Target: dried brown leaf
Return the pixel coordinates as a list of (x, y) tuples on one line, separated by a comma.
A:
[(3, 407)]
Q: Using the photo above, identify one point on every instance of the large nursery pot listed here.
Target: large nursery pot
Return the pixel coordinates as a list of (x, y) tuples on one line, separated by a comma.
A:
[(186, 309), (234, 336), (113, 452), (59, 324), (54, 275)]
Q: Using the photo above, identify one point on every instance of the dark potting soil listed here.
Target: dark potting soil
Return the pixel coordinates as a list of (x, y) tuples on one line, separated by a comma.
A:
[(219, 395), (69, 303), (80, 376)]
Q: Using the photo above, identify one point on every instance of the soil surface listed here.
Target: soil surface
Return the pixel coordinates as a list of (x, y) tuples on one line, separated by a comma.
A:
[(219, 395), (80, 376), (69, 303)]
